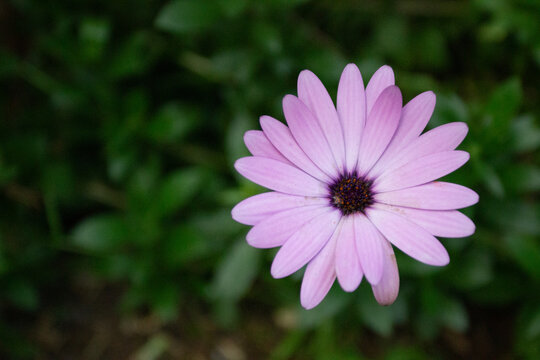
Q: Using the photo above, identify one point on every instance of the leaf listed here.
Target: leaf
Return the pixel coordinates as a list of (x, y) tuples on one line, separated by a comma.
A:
[(187, 16), (100, 233), (93, 34), (521, 178), (502, 107), (452, 314), (134, 56), (22, 293), (518, 217), (332, 304), (376, 317), (526, 134), (178, 189), (471, 270), (236, 272), (526, 251), (172, 122), (154, 348), (164, 299), (184, 244), (449, 108)]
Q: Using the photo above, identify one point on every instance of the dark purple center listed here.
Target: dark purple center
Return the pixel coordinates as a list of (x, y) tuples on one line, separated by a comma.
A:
[(351, 193)]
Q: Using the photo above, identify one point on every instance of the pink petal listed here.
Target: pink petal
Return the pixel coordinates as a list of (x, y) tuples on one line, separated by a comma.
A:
[(259, 145), (319, 276), (256, 208), (443, 138), (381, 124), (351, 107), (386, 291), (308, 134), (369, 248), (383, 78), (436, 195), (313, 93), (304, 244), (420, 171), (278, 228), (445, 223), (410, 238), (280, 136), (414, 118), (279, 176), (348, 270)]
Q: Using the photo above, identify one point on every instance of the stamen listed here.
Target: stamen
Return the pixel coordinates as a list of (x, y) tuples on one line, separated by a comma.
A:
[(351, 193)]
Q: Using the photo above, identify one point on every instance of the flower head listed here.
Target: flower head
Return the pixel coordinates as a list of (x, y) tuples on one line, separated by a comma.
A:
[(350, 182)]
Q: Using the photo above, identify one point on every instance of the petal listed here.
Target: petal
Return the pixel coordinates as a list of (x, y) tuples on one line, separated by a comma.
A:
[(421, 171), (256, 208), (436, 195), (414, 118), (410, 238), (351, 108), (383, 78), (443, 138), (259, 145), (386, 291), (308, 134), (381, 124), (445, 223), (304, 244), (278, 176), (313, 93), (369, 248), (319, 276), (278, 228), (348, 270), (280, 136)]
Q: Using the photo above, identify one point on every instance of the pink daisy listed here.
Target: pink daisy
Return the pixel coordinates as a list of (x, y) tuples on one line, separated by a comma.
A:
[(348, 183)]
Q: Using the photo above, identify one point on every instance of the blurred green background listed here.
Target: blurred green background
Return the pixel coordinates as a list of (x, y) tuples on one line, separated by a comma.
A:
[(120, 122)]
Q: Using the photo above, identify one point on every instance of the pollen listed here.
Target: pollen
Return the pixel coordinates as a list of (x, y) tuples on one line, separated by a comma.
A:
[(351, 194)]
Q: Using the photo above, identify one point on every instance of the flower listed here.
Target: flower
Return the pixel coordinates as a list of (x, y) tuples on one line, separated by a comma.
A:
[(350, 182)]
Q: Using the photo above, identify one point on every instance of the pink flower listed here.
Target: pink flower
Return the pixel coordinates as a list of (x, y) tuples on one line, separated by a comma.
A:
[(350, 183)]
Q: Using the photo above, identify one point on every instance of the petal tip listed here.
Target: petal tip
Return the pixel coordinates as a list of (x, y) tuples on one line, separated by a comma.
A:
[(277, 272), (351, 67), (386, 68), (308, 302), (288, 101), (386, 302)]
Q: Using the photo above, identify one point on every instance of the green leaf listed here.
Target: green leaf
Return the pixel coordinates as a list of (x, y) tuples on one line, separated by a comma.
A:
[(236, 272), (93, 34), (187, 16), (471, 270), (134, 55), (502, 108), (526, 251), (154, 348), (332, 304), (22, 294), (400, 352), (184, 244), (521, 178), (164, 299), (452, 314), (172, 122), (526, 134), (378, 318), (100, 233), (449, 108), (178, 189)]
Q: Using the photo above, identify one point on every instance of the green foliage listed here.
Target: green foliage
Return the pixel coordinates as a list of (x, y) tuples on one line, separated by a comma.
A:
[(121, 122)]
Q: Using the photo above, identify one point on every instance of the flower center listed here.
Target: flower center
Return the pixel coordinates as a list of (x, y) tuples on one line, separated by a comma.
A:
[(351, 193)]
